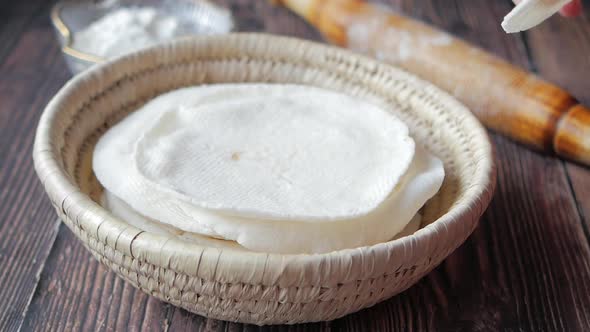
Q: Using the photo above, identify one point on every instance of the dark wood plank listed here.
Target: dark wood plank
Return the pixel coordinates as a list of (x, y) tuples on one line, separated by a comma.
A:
[(182, 320), (560, 49), (27, 225), (15, 17), (77, 293), (261, 16), (525, 268)]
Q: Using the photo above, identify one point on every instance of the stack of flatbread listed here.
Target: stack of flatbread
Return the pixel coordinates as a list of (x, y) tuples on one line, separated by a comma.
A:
[(266, 167)]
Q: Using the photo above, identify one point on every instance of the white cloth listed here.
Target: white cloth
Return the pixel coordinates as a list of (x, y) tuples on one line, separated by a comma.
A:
[(276, 168)]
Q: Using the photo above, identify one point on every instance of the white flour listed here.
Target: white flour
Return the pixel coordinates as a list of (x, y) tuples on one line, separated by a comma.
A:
[(389, 44), (129, 29), (125, 30)]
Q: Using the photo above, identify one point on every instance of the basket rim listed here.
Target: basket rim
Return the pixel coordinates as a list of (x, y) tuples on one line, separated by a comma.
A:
[(57, 181)]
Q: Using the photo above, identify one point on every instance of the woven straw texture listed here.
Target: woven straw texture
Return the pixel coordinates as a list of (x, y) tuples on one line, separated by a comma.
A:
[(248, 287)]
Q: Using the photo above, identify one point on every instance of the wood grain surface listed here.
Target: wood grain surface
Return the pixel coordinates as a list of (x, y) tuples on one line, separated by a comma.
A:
[(526, 267)]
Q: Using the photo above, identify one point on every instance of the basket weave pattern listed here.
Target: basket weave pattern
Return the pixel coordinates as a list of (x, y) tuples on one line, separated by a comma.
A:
[(248, 287)]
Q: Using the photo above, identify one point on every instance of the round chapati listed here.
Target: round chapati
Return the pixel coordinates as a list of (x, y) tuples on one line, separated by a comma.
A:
[(276, 168)]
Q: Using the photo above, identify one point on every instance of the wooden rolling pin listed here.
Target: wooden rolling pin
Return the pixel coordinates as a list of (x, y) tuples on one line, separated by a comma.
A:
[(505, 98)]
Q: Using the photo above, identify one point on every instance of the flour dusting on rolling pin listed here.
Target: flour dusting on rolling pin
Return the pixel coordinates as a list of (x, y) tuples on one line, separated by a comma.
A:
[(504, 97)]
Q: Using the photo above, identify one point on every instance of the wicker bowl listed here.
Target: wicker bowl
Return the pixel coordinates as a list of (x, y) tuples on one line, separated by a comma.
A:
[(248, 287)]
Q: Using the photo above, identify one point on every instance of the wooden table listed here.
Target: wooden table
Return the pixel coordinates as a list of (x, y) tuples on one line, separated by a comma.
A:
[(526, 267)]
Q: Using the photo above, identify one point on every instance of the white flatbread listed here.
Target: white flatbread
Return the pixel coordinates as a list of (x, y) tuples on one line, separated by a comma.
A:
[(277, 152), (123, 211), (420, 183), (276, 168)]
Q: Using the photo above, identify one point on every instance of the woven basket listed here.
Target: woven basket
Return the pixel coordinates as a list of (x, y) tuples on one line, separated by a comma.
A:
[(248, 287)]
